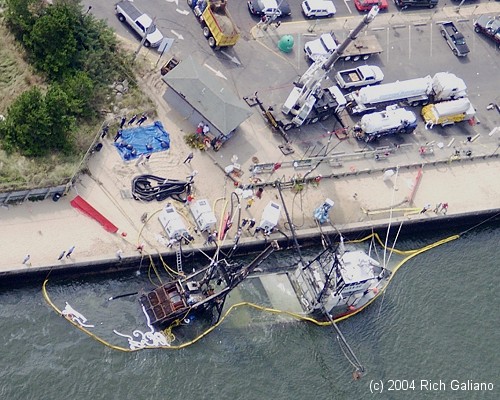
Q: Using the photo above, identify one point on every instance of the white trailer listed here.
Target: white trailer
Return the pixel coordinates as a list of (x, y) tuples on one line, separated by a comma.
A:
[(361, 48), (203, 215), (173, 223), (413, 92)]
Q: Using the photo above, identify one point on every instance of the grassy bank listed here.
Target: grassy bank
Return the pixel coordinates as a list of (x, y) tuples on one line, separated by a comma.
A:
[(16, 76)]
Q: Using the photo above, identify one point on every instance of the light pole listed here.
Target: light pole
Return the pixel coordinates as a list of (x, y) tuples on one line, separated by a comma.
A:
[(149, 30)]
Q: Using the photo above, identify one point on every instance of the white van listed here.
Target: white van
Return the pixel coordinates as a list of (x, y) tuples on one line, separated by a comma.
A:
[(318, 8)]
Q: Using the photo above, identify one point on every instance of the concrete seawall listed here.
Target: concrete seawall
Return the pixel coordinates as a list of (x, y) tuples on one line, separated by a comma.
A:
[(308, 237)]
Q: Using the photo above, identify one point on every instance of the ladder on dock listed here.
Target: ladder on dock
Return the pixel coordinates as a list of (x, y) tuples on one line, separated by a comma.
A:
[(178, 257)]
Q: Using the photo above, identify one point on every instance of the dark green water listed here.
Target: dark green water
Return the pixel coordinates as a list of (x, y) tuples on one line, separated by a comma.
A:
[(439, 321)]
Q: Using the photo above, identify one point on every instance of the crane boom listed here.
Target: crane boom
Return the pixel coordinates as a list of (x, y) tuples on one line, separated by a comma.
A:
[(327, 66)]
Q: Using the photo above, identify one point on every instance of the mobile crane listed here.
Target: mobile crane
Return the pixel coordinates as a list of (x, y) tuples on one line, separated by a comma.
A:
[(308, 92), (310, 102)]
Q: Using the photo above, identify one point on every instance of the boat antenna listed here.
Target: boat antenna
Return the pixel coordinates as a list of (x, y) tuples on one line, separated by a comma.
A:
[(390, 219), (292, 227)]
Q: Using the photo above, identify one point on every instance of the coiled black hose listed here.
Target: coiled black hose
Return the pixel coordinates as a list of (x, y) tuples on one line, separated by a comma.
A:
[(151, 187)]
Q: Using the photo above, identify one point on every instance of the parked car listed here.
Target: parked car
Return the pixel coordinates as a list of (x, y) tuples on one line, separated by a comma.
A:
[(318, 8), (489, 26), (366, 5), (363, 75), (416, 3), (454, 38), (280, 8), (141, 23)]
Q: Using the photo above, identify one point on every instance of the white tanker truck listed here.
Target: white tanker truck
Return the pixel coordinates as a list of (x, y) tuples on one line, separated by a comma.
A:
[(448, 112), (392, 120), (413, 92)]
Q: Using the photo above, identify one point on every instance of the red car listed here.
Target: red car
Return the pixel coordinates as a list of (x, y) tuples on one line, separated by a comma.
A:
[(366, 5)]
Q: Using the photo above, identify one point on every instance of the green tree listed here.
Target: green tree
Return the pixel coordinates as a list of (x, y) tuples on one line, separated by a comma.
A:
[(52, 41), (81, 93), (20, 15), (60, 118), (27, 126)]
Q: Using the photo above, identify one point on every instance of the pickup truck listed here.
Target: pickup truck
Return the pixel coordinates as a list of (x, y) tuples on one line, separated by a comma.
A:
[(360, 48), (360, 76), (488, 26), (139, 22), (454, 38)]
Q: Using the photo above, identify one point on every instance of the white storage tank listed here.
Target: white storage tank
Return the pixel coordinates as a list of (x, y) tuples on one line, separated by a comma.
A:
[(172, 222), (395, 91), (270, 216), (203, 215), (391, 118)]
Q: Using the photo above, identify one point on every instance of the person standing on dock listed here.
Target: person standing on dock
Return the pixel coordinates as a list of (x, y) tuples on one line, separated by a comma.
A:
[(105, 131), (119, 253), (189, 158), (251, 224), (143, 118), (26, 260), (425, 209), (249, 203), (146, 159), (61, 255), (140, 160), (444, 208), (70, 251), (132, 120)]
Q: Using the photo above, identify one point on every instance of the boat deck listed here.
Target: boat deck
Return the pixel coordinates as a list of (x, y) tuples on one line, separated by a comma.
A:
[(163, 302)]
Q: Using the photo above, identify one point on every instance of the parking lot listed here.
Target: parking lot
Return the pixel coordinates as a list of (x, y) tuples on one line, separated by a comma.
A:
[(413, 47)]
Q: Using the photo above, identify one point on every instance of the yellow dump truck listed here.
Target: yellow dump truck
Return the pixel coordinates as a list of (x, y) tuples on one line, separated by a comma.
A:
[(448, 112), (216, 22)]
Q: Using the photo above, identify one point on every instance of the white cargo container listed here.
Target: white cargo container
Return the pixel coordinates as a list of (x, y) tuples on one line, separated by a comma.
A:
[(203, 215), (172, 222), (270, 216)]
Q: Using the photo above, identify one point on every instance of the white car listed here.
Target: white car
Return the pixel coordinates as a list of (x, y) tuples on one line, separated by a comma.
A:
[(318, 8), (321, 47)]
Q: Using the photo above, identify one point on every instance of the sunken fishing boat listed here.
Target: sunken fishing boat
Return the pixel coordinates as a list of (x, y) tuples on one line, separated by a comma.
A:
[(200, 293)]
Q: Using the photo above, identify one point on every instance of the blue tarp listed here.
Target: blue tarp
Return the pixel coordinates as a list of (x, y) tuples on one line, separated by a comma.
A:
[(142, 140)]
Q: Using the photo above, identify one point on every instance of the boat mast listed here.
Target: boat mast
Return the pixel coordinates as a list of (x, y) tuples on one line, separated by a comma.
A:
[(346, 349)]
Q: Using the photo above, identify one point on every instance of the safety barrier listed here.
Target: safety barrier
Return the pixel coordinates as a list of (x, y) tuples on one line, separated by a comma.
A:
[(20, 196)]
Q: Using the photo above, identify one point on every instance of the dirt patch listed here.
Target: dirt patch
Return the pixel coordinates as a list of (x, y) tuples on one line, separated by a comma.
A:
[(16, 75)]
